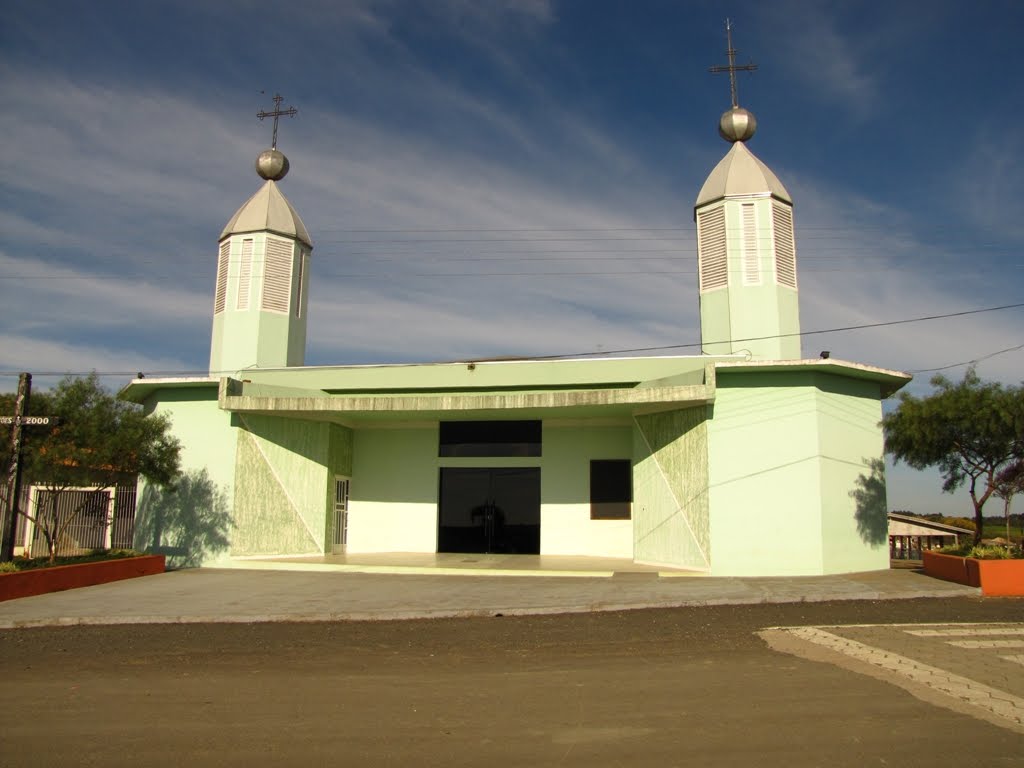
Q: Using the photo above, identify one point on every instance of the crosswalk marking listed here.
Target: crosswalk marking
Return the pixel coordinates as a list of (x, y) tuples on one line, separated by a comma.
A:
[(997, 702), (969, 632), (986, 643)]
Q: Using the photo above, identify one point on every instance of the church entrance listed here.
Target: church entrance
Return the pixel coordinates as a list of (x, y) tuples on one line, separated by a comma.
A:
[(493, 509)]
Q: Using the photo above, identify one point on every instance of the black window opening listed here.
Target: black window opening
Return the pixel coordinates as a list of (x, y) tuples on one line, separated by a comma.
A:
[(611, 489), (490, 438)]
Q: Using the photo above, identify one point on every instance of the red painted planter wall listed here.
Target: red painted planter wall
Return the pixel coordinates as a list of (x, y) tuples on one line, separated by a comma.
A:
[(997, 578), (39, 581), (946, 567)]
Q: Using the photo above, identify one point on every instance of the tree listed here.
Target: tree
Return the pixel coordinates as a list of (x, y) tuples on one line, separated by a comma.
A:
[(1010, 482), (969, 431), (99, 441)]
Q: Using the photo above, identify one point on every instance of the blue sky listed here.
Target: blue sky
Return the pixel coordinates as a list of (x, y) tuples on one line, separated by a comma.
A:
[(511, 177)]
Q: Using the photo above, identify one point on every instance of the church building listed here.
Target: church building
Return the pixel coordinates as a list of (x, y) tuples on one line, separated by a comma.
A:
[(745, 460)]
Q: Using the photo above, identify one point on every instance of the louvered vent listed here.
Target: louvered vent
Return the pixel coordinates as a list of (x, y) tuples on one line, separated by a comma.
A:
[(751, 270), (713, 264), (220, 295), (785, 245), (277, 275), (298, 282), (244, 275)]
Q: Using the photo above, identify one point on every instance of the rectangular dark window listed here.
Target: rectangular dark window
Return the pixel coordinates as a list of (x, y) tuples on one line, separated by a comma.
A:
[(611, 489), (490, 438)]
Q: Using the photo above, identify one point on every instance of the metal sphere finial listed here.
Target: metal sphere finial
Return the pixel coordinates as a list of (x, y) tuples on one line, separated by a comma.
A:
[(737, 124), (272, 165)]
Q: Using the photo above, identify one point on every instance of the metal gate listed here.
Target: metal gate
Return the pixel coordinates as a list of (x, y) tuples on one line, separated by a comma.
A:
[(341, 488)]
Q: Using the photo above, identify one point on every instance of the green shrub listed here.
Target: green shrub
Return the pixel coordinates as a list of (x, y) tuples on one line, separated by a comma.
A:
[(990, 552), (960, 550), (11, 567), (96, 555), (983, 551)]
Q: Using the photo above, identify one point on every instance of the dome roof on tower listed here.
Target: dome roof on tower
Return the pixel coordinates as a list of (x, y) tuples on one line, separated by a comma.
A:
[(268, 211), (741, 173)]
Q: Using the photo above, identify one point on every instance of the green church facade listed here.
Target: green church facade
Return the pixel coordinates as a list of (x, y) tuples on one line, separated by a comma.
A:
[(745, 460), (736, 468)]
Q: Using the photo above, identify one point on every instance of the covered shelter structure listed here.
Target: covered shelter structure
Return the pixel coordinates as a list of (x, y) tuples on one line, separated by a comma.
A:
[(910, 535)]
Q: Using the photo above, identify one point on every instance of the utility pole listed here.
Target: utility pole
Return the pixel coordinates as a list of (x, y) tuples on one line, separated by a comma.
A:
[(14, 471)]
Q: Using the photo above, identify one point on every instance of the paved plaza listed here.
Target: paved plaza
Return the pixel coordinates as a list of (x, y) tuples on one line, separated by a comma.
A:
[(322, 591)]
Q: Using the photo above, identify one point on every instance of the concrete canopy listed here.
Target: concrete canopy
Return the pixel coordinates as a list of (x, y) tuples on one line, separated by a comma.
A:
[(520, 389)]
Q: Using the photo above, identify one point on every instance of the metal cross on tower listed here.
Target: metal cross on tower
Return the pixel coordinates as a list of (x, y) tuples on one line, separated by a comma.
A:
[(732, 68), (278, 112)]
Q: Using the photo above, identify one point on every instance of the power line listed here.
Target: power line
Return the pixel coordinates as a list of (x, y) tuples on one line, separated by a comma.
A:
[(605, 353), (969, 362), (860, 269), (786, 335)]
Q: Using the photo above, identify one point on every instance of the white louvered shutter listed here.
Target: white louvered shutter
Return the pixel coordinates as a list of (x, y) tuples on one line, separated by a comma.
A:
[(751, 268), (244, 275), (712, 258), (277, 275), (220, 294), (785, 245)]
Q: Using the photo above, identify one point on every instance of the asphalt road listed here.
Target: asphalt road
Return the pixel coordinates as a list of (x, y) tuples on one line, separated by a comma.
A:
[(671, 687)]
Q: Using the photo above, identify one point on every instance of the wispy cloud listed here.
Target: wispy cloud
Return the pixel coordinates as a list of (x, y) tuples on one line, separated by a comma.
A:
[(49, 360), (986, 181), (821, 53)]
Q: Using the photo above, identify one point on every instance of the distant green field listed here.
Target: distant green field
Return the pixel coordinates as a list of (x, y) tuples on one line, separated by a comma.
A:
[(992, 530)]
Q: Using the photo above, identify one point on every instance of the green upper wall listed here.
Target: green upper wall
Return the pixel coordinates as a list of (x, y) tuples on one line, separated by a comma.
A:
[(794, 473)]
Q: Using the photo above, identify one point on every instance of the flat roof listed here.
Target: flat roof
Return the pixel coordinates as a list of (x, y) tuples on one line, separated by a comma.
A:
[(587, 385)]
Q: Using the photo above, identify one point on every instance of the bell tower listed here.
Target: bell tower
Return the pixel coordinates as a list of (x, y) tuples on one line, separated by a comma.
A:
[(261, 295), (746, 248)]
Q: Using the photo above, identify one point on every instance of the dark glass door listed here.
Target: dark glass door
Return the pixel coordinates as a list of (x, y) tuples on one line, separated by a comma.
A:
[(493, 509)]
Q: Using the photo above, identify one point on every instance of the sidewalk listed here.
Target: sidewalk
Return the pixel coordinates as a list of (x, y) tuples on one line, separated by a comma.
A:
[(320, 592)]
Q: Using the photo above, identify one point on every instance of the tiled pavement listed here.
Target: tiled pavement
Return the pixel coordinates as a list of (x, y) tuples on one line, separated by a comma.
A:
[(973, 667)]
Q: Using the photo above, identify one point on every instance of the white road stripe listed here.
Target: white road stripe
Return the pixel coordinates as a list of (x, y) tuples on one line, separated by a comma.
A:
[(972, 632), (986, 643), (999, 703)]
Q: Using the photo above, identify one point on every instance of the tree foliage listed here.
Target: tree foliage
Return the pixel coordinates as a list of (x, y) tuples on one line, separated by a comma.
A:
[(99, 442), (969, 430), (1009, 483)]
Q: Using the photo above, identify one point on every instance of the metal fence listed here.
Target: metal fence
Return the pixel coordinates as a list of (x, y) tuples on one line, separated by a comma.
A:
[(105, 519)]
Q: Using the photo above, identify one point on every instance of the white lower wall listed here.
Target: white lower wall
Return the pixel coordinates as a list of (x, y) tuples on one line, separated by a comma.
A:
[(391, 527), (393, 495), (566, 527), (393, 501)]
